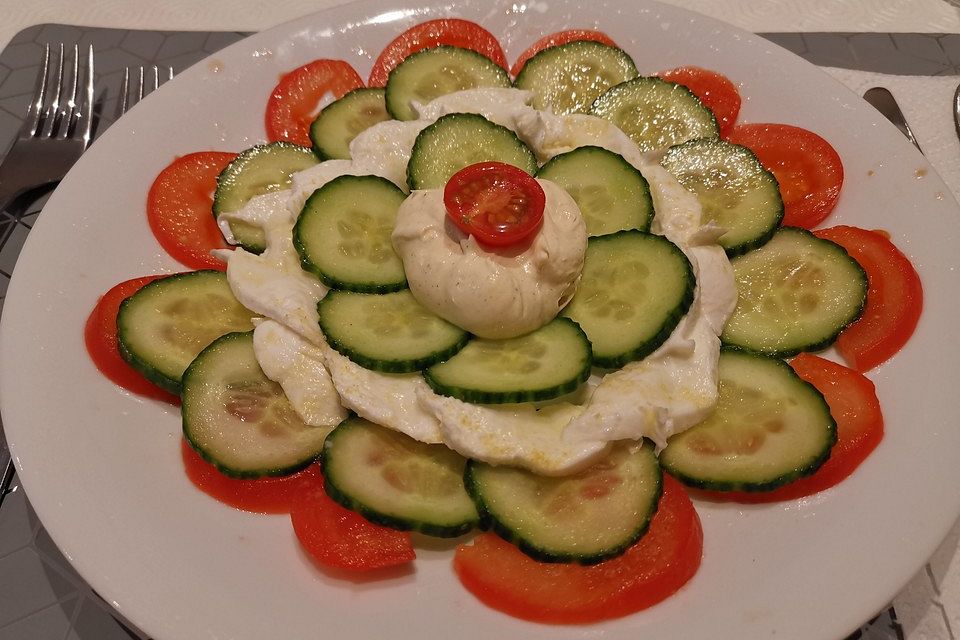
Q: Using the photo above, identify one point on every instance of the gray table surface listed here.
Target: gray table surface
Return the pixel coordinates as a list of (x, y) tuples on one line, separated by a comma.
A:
[(41, 596)]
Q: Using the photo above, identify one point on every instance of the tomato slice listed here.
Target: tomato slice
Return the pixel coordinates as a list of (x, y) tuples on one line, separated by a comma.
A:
[(261, 495), (853, 403), (433, 33), (555, 40), (497, 203), (180, 209), (664, 559), (894, 298), (715, 91), (100, 337), (295, 101), (808, 169), (338, 538)]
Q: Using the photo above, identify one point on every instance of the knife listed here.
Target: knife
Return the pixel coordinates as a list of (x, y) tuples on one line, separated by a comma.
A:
[(883, 101), (917, 54)]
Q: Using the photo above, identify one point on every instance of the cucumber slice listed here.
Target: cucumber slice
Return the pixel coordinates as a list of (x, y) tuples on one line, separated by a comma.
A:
[(389, 332), (569, 77), (634, 289), (264, 168), (655, 113), (394, 480), (733, 188), (585, 518), (796, 293), (611, 193), (163, 326), (545, 364), (239, 420), (458, 140), (342, 120), (769, 428), (435, 72), (343, 234)]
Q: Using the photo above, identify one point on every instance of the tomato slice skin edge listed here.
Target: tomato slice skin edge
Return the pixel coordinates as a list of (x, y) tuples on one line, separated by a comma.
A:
[(807, 167), (261, 495), (894, 297), (853, 402), (294, 101), (557, 39), (342, 540), (714, 90), (180, 209), (443, 31), (100, 339), (657, 566)]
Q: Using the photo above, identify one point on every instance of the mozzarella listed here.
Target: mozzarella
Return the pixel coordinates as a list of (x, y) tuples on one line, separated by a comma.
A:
[(384, 149), (390, 400), (516, 435), (297, 366)]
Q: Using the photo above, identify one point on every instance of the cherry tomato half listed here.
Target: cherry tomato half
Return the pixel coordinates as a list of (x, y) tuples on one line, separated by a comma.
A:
[(496, 203)]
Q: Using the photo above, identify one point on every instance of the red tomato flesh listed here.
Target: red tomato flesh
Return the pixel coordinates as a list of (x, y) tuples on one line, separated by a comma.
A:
[(295, 101), (180, 209), (853, 403), (664, 559), (433, 33), (496, 203), (100, 338), (715, 91), (808, 169), (894, 298), (262, 495), (557, 39), (338, 538)]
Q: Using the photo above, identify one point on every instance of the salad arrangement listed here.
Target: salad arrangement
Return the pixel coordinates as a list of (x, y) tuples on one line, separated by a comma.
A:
[(625, 487)]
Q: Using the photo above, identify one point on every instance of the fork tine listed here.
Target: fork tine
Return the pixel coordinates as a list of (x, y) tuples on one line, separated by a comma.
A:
[(146, 81), (86, 113), (50, 115), (124, 92), (32, 121), (69, 108)]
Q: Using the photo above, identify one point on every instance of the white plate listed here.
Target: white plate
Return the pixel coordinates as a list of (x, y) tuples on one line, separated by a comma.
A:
[(102, 467)]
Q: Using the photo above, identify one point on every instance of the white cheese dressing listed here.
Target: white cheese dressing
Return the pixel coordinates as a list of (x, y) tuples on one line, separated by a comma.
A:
[(670, 390)]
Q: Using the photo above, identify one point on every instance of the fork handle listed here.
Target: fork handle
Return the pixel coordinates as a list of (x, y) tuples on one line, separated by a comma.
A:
[(17, 176), (9, 190)]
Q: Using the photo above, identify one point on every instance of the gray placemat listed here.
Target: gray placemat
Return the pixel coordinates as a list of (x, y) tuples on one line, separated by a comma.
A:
[(41, 596)]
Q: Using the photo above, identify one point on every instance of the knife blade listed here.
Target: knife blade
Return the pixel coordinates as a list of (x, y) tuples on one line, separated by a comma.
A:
[(884, 102), (918, 54)]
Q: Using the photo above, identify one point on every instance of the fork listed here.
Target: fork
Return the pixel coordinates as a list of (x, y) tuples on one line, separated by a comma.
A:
[(57, 127), (147, 79)]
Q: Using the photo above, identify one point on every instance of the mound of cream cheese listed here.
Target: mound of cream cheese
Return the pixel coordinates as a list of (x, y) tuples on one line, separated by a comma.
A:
[(491, 293)]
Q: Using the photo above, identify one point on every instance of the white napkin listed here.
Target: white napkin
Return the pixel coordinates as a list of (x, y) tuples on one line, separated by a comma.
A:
[(927, 104)]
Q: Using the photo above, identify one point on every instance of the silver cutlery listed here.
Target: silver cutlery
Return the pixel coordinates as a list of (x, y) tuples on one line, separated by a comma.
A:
[(58, 125), (146, 80), (956, 110), (884, 102)]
